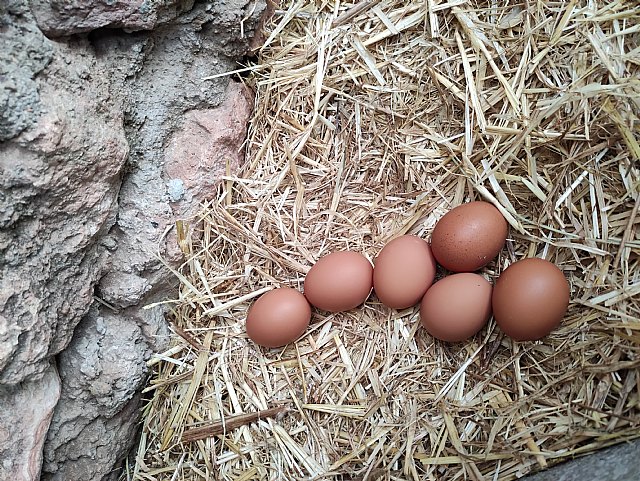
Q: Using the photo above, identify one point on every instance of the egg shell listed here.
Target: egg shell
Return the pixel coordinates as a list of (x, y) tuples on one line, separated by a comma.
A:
[(456, 307), (403, 271), (469, 236), (530, 299), (278, 317), (339, 281)]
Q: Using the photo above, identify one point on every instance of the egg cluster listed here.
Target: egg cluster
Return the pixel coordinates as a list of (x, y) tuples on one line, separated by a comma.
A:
[(528, 301)]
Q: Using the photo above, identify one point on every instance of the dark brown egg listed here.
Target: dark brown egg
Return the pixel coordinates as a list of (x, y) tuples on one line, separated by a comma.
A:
[(403, 271), (530, 299), (278, 317), (456, 307), (469, 236), (339, 281)]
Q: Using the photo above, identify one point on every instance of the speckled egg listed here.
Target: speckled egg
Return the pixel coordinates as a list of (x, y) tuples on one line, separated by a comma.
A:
[(469, 236)]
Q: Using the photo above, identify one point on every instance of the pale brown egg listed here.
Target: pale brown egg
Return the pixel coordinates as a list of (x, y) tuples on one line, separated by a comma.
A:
[(278, 317), (469, 236), (403, 271), (339, 281), (456, 307), (530, 299)]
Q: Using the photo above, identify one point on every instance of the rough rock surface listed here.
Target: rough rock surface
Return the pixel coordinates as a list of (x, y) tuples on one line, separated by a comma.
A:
[(103, 369), (21, 447), (204, 147), (92, 131), (59, 182), (618, 463), (56, 18), (25, 52)]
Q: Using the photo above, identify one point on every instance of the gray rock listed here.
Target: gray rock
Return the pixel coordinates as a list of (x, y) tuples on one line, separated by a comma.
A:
[(24, 419), (57, 18), (19, 103), (89, 198), (103, 370), (175, 189), (123, 289), (59, 182), (99, 447), (618, 463), (25, 52)]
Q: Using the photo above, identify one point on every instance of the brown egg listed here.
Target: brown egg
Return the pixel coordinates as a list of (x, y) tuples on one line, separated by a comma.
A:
[(530, 299), (278, 317), (469, 236), (456, 307), (403, 271), (339, 281)]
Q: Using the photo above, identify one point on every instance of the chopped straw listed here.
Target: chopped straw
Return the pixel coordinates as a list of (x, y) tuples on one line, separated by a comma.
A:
[(373, 119)]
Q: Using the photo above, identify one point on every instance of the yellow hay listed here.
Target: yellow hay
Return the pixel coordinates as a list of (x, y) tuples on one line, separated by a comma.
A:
[(373, 119)]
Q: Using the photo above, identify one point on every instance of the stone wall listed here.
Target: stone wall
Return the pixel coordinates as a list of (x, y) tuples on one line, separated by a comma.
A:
[(108, 134)]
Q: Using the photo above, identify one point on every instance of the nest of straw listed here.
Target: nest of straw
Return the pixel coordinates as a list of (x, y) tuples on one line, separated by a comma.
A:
[(373, 119)]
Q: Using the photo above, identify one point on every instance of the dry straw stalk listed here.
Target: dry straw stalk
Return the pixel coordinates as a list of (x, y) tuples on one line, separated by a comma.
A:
[(372, 119)]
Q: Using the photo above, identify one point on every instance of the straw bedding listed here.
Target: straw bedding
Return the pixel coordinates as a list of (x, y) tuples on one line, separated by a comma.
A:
[(373, 119)]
